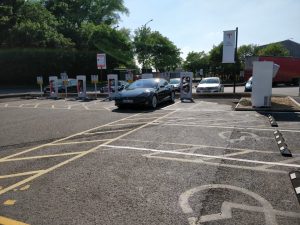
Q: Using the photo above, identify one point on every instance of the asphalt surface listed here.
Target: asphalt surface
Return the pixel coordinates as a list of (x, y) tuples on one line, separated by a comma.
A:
[(69, 162)]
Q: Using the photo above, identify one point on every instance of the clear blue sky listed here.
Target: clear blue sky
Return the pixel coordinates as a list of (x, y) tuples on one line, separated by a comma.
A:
[(197, 25)]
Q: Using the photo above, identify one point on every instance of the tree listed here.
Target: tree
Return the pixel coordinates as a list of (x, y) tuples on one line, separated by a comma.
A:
[(9, 11), (275, 49), (246, 51), (196, 61), (219, 68), (115, 43), (142, 46), (155, 50), (72, 15), (36, 27), (165, 55)]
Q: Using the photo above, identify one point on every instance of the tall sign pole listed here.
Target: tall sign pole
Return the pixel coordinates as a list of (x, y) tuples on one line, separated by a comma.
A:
[(230, 51), (236, 59), (101, 63)]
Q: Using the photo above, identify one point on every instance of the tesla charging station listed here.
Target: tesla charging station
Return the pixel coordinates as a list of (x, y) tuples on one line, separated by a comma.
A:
[(112, 80), (186, 85), (53, 86), (263, 74), (81, 86)]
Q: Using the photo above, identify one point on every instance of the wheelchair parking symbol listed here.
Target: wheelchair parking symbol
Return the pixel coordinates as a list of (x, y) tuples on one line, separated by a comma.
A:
[(227, 206)]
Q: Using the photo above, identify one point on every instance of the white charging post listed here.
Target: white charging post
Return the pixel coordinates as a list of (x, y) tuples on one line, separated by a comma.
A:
[(112, 81), (64, 78), (53, 86), (81, 86), (39, 80), (186, 86), (263, 74), (94, 80)]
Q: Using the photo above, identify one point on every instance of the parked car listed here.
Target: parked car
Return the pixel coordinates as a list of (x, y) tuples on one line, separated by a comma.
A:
[(121, 85), (210, 85), (248, 86), (149, 92), (71, 88), (176, 84)]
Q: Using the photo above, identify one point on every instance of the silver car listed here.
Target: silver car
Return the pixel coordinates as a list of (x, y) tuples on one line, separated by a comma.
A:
[(210, 85)]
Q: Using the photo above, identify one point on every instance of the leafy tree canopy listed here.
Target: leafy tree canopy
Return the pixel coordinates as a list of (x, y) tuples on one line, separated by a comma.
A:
[(155, 50), (275, 49)]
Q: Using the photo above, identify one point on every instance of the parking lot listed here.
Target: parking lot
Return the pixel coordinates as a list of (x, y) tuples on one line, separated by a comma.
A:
[(72, 162)]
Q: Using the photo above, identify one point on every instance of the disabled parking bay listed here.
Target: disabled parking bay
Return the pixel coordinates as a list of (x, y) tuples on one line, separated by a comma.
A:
[(184, 163)]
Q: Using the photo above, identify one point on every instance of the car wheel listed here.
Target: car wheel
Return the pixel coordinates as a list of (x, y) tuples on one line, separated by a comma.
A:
[(153, 102), (172, 97)]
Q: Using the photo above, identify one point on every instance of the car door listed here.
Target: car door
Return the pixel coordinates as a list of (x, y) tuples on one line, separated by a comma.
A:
[(161, 90)]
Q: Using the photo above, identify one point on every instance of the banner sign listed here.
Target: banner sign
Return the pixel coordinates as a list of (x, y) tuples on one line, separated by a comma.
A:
[(39, 80), (101, 61), (229, 46), (94, 79), (186, 85)]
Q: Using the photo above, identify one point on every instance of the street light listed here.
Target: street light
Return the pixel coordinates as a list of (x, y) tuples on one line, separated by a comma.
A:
[(148, 22)]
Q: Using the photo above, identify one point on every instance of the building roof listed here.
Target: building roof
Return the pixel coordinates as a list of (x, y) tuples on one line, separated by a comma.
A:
[(291, 46)]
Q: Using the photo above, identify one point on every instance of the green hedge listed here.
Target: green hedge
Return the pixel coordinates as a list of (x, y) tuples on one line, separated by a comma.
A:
[(22, 66)]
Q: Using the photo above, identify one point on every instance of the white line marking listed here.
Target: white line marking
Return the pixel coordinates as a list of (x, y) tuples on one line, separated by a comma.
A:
[(164, 108), (293, 176), (229, 127), (202, 155), (297, 190), (105, 132), (143, 118), (122, 124), (206, 146), (216, 164), (283, 161)]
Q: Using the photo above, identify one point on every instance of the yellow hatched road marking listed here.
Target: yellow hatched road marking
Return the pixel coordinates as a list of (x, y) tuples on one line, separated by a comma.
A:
[(7, 221), (42, 156), (78, 142), (62, 139), (21, 174), (9, 202), (75, 157)]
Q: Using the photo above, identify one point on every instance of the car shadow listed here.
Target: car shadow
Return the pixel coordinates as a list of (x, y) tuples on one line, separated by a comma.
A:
[(140, 109)]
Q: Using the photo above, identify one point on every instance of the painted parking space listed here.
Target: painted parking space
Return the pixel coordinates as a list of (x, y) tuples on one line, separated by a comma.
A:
[(190, 164), (60, 104)]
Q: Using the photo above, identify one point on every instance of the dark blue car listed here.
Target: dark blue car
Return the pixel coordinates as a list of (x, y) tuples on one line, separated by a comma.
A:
[(148, 92)]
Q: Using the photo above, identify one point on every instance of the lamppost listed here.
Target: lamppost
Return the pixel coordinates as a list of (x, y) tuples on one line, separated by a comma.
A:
[(148, 22)]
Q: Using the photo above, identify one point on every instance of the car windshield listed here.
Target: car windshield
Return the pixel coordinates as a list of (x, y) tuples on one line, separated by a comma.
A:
[(143, 83), (210, 81), (174, 81)]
